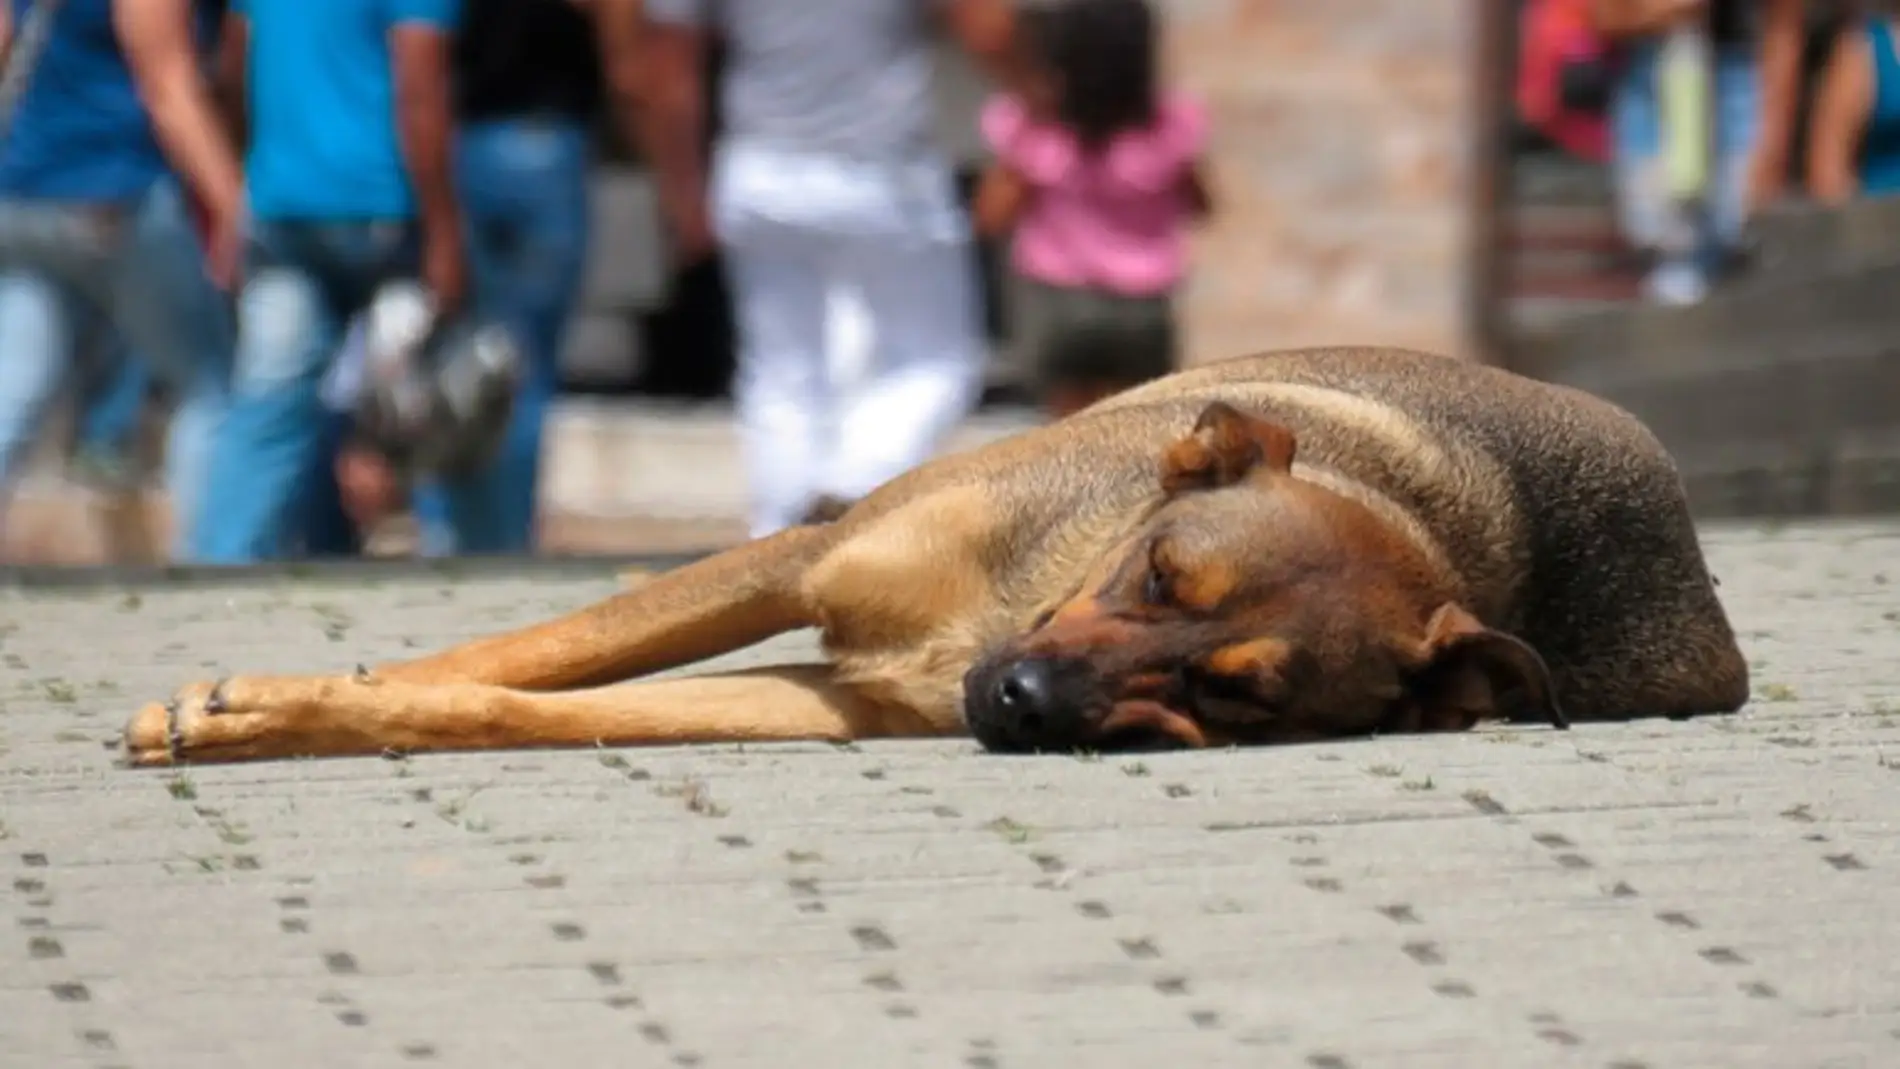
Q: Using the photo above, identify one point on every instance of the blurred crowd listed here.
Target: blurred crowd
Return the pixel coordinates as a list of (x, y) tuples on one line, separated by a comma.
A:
[(1709, 112), (249, 205)]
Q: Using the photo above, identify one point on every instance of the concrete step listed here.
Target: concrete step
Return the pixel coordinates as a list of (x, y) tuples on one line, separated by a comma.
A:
[(1570, 226), (1568, 251), (1575, 279), (1539, 316), (1552, 178)]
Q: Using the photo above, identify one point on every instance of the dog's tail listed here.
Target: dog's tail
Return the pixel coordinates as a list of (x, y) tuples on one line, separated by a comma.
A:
[(723, 603)]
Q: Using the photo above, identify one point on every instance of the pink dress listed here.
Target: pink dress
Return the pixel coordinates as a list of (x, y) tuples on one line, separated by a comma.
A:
[(1114, 220)]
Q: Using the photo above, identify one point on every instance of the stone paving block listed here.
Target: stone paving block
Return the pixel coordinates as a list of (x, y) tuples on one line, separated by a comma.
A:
[(1712, 893)]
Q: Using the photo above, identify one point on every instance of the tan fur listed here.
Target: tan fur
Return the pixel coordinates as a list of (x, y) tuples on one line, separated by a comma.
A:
[(899, 631), (1421, 490)]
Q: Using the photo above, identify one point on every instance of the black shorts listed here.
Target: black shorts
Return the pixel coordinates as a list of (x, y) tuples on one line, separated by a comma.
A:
[(1067, 335)]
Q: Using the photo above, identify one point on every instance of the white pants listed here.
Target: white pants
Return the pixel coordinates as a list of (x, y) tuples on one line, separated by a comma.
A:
[(804, 235)]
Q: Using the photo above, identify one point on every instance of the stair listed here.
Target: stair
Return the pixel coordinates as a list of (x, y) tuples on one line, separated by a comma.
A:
[(1564, 253)]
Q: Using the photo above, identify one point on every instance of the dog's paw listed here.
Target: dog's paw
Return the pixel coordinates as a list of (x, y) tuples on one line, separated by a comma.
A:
[(230, 720)]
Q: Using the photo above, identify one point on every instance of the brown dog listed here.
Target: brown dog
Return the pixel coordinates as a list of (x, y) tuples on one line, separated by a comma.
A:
[(1281, 547)]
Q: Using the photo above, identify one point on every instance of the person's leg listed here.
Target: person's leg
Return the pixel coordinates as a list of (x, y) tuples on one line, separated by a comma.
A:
[(1636, 149), (1650, 217), (112, 386), (273, 436), (1104, 343), (778, 272), (781, 387), (926, 368), (110, 404), (1737, 103), (524, 188), (169, 312), (326, 528), (490, 226), (36, 346)]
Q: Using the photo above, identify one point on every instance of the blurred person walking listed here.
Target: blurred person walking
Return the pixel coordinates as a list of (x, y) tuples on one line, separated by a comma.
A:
[(1783, 35), (1684, 115), (1098, 174), (528, 81), (94, 231), (1854, 132), (349, 109), (826, 178)]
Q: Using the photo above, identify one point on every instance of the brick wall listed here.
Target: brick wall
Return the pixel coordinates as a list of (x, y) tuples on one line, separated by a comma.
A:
[(1342, 155)]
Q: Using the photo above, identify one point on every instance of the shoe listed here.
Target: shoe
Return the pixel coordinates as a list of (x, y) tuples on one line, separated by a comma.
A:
[(1675, 285)]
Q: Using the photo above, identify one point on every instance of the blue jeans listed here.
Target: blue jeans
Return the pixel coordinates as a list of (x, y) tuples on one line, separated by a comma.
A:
[(1685, 241), (65, 269), (326, 529), (304, 281), (111, 401), (524, 193)]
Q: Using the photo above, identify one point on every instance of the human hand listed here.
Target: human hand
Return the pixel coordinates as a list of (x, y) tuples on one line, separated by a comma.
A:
[(369, 486), (225, 231), (444, 264)]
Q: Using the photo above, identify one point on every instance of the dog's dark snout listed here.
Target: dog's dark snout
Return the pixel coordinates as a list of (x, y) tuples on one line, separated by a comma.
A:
[(1031, 703), (1025, 692)]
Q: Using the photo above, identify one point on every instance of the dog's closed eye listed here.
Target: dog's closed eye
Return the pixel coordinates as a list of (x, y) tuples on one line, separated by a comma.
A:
[(1157, 584), (1156, 590)]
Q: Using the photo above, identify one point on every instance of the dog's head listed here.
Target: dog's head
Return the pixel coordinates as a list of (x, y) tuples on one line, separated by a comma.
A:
[(1250, 606)]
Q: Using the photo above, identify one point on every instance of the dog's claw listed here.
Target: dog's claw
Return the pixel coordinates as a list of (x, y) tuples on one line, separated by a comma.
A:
[(214, 702), (362, 673)]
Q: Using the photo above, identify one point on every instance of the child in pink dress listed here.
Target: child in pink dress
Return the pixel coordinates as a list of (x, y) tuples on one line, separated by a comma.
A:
[(1097, 176)]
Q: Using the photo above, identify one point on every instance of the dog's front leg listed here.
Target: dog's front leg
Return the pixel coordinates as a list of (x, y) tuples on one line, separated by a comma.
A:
[(263, 717), (722, 603)]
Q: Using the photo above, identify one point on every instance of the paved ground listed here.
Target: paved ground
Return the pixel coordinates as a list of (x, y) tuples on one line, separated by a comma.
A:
[(1718, 893)]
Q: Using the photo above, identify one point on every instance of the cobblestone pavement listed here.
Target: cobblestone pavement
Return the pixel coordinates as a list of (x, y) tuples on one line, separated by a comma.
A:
[(1716, 893)]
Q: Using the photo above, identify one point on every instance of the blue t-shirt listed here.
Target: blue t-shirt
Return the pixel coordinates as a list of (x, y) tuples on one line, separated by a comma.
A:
[(1880, 142), (322, 105), (79, 132)]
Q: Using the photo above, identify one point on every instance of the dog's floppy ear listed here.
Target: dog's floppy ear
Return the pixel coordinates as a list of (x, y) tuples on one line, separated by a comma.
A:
[(1225, 447), (1464, 672)]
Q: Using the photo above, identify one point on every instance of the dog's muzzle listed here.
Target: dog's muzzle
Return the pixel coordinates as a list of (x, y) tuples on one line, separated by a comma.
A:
[(1023, 704)]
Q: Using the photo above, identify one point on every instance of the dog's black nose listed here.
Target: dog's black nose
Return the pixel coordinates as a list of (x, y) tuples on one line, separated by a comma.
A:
[(1022, 704), (1025, 692)]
